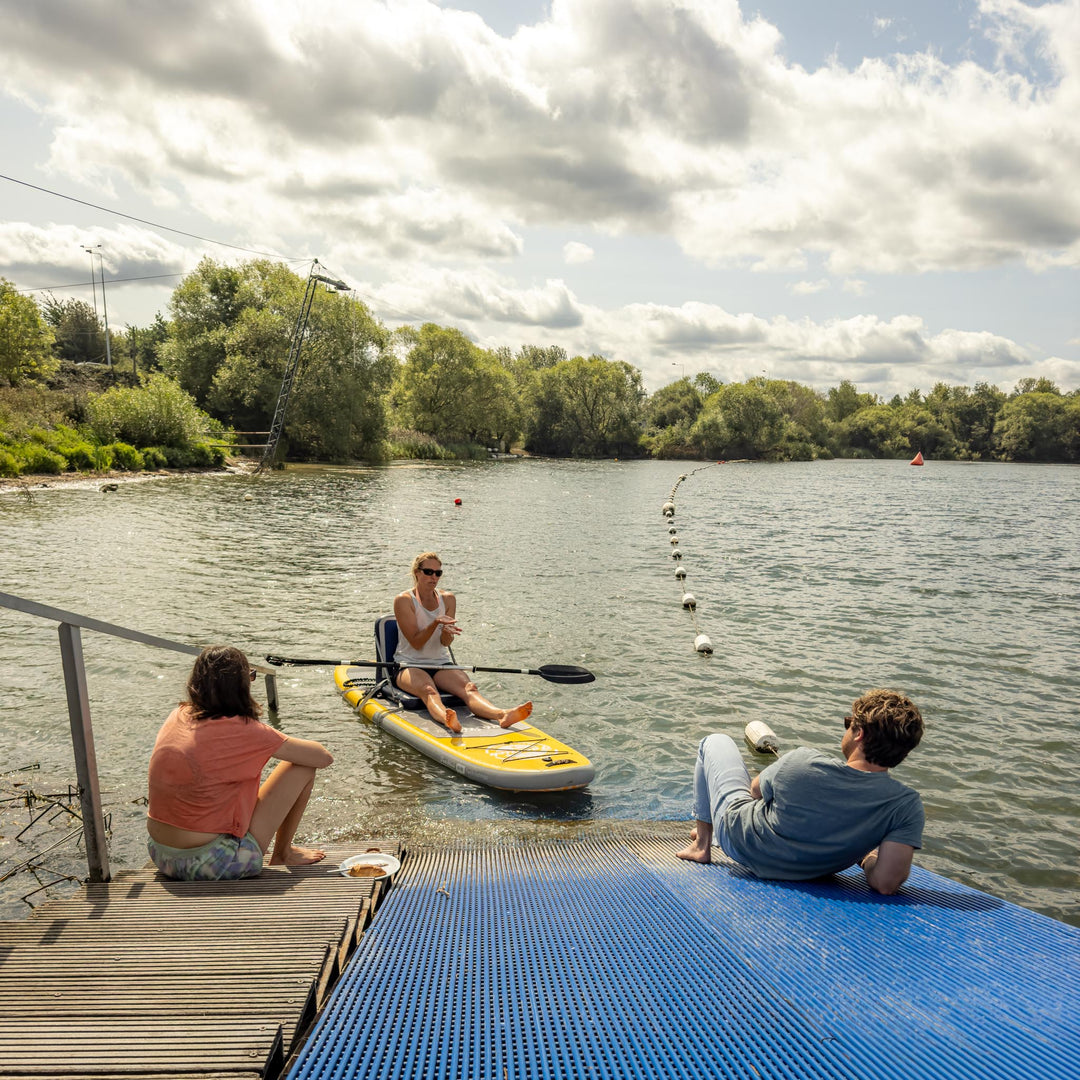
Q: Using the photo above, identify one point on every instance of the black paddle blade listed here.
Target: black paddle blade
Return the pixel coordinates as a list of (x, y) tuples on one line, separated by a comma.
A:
[(565, 673)]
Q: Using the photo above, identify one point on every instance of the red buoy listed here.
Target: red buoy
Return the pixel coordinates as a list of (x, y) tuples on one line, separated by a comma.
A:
[(917, 459), (457, 502)]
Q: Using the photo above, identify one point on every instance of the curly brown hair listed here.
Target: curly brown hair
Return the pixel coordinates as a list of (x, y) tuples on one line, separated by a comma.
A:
[(220, 685), (891, 725)]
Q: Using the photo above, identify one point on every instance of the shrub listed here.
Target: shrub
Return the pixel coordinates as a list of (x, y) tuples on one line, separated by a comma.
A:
[(407, 443), (158, 413), (126, 457), (154, 458), (37, 459), (8, 465)]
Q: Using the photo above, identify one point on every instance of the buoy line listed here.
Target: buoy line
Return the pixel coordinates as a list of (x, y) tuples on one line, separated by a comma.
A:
[(758, 735)]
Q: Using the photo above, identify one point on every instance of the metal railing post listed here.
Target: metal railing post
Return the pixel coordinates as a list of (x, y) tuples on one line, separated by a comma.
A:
[(82, 738), (271, 691)]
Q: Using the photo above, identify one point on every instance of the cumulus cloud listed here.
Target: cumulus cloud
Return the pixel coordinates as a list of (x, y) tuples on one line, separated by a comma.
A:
[(423, 130), (883, 356), (575, 253), (808, 288), (41, 253)]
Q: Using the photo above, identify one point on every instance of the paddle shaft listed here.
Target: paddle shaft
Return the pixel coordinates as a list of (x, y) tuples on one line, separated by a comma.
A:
[(550, 672)]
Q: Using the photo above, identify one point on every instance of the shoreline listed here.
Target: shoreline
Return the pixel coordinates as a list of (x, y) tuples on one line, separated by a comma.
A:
[(33, 484)]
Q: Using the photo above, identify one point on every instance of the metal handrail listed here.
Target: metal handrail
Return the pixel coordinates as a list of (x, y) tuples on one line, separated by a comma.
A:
[(82, 734)]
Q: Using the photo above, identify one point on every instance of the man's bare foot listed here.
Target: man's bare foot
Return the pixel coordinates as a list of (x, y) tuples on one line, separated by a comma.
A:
[(451, 721), (297, 856), (695, 852), (513, 716)]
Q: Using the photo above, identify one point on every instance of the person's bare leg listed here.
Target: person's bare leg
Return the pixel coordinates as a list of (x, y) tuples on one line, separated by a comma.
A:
[(283, 797), (700, 846), (469, 692), (419, 684)]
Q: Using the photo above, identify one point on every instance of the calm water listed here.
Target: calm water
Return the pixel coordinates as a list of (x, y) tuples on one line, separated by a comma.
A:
[(957, 583)]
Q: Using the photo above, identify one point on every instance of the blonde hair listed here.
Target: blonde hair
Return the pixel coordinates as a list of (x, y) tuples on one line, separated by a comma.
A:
[(423, 558)]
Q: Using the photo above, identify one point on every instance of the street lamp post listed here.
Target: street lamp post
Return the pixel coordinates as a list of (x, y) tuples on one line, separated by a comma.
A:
[(92, 251)]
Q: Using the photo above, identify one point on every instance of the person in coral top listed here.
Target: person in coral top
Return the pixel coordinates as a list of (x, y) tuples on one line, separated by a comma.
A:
[(209, 818)]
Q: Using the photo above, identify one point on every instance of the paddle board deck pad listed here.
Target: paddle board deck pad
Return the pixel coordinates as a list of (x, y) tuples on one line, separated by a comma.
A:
[(520, 758)]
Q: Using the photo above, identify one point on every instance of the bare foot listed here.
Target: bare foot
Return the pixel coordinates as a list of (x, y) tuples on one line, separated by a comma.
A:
[(512, 716), (451, 721), (695, 852), (297, 856)]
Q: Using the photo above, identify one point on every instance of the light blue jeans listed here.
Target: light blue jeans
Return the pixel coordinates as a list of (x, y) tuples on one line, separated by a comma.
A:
[(720, 782)]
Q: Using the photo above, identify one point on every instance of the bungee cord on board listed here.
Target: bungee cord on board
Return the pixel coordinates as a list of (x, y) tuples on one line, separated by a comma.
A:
[(758, 735)]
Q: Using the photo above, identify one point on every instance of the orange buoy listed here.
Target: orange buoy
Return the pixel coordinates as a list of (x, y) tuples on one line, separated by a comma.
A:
[(917, 459)]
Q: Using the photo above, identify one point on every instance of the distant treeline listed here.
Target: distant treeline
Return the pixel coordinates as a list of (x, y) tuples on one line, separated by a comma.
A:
[(368, 393)]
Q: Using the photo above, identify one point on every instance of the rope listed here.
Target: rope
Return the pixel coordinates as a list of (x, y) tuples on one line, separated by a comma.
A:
[(702, 644)]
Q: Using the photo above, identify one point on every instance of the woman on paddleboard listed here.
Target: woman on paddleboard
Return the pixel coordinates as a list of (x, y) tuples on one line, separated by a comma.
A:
[(209, 819), (427, 626)]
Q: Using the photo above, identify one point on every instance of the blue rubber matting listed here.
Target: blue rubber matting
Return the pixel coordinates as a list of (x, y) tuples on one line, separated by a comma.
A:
[(610, 958)]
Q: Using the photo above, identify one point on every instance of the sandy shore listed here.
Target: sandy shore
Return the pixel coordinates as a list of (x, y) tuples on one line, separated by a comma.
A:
[(104, 481)]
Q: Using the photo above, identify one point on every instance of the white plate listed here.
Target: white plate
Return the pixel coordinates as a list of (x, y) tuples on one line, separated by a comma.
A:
[(389, 864)]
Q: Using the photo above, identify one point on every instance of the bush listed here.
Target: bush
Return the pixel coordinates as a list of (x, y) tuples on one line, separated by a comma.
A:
[(158, 413), (37, 459), (407, 443), (8, 465), (154, 458), (126, 457)]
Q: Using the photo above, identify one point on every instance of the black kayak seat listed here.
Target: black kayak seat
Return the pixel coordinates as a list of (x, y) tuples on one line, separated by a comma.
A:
[(386, 639)]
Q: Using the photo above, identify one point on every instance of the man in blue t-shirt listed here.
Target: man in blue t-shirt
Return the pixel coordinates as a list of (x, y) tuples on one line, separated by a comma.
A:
[(808, 815)]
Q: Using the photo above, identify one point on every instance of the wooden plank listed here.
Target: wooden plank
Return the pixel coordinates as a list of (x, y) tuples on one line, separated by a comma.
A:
[(125, 1047)]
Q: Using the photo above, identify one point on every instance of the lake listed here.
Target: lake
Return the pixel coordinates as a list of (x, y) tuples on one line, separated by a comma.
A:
[(956, 582)]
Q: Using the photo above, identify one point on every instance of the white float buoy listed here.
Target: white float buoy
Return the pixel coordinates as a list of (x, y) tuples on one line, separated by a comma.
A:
[(668, 509), (247, 498), (682, 478), (680, 572), (761, 738), (676, 554), (702, 643), (689, 601), (672, 529), (674, 541)]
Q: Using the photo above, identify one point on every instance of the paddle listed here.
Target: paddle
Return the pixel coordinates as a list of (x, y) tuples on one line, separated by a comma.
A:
[(556, 673)]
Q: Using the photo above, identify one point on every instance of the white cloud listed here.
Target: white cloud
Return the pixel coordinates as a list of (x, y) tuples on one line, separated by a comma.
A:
[(855, 286), (674, 116), (808, 288), (575, 253)]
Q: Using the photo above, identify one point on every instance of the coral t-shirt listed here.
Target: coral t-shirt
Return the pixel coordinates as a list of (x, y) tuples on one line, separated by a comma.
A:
[(204, 774)]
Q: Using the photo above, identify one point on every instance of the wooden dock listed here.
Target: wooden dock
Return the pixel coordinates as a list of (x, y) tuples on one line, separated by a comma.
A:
[(166, 980)]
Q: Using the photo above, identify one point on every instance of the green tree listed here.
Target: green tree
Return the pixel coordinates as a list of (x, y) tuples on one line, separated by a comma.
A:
[(845, 399), (1035, 386), (677, 402), (25, 338), (585, 408), (875, 431), (204, 307), (1038, 426), (968, 414), (454, 391), (157, 413), (78, 334), (739, 420)]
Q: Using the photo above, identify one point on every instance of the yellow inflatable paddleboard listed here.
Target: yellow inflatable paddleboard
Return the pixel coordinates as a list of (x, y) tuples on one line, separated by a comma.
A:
[(520, 758)]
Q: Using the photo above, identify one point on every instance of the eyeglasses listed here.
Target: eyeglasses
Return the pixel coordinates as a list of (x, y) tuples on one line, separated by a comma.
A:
[(253, 673), (848, 721), (430, 573)]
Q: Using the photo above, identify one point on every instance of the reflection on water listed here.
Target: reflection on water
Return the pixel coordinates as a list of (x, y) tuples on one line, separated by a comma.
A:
[(956, 583)]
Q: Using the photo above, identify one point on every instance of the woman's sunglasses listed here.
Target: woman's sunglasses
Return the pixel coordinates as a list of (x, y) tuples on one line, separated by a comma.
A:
[(430, 573)]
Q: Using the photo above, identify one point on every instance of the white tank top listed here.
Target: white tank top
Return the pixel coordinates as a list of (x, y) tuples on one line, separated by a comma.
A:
[(434, 653)]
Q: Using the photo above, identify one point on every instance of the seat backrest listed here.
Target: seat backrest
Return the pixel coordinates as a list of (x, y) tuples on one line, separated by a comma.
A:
[(386, 639)]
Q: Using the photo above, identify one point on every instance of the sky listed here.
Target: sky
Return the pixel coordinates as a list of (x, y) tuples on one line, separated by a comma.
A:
[(882, 192)]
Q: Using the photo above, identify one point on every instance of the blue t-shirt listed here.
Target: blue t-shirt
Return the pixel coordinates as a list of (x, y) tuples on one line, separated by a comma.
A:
[(817, 815)]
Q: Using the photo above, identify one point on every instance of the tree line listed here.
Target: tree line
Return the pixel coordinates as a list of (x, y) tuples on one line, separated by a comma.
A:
[(365, 392)]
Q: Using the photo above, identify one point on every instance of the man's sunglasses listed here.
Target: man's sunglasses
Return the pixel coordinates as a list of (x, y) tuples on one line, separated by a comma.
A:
[(430, 573)]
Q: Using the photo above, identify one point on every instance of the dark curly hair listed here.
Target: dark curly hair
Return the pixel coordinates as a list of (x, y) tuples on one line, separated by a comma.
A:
[(891, 725), (220, 685)]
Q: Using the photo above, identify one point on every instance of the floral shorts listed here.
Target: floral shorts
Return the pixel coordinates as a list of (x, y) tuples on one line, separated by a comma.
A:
[(223, 859)]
